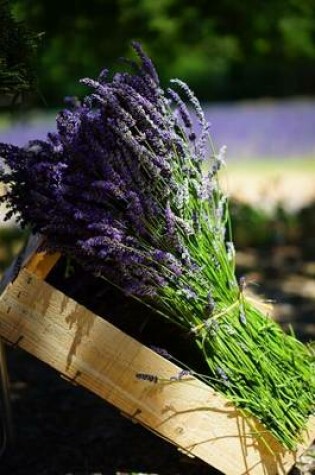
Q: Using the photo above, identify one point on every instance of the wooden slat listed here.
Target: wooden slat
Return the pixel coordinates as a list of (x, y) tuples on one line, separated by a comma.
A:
[(90, 351), (42, 263), (39, 263)]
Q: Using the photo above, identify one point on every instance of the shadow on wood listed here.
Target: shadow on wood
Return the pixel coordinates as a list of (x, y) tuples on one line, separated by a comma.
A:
[(90, 351)]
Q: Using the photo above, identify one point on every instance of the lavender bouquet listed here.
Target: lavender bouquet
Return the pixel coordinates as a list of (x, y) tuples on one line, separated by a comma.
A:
[(129, 187)]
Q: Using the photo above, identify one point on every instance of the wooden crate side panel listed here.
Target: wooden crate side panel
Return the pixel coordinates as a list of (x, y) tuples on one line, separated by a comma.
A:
[(95, 354), (42, 263)]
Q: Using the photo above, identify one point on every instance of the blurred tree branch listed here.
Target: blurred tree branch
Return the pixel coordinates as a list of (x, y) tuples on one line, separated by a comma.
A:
[(225, 50), (17, 54)]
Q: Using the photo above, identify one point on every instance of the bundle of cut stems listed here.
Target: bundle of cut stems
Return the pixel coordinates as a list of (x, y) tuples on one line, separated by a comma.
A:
[(129, 187)]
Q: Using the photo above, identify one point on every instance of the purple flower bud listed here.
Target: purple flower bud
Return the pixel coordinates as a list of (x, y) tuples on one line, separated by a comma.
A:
[(184, 114), (210, 306), (161, 351), (222, 375), (169, 220)]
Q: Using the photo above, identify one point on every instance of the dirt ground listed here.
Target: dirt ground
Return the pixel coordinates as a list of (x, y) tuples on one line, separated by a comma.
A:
[(61, 429)]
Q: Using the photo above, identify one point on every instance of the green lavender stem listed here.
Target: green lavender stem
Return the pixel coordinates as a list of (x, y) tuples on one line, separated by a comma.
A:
[(251, 360), (269, 373)]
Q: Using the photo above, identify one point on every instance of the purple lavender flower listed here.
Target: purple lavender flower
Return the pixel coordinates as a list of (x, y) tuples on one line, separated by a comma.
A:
[(169, 220), (222, 375), (184, 113), (105, 180), (210, 306), (161, 352), (121, 188)]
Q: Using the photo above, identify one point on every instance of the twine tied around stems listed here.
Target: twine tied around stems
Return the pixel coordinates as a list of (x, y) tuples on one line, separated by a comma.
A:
[(240, 302)]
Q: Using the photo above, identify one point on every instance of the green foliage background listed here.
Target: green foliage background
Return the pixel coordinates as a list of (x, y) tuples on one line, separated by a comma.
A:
[(17, 51), (226, 50)]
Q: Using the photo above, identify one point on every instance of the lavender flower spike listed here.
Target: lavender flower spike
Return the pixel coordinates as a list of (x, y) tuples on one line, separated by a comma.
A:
[(128, 189)]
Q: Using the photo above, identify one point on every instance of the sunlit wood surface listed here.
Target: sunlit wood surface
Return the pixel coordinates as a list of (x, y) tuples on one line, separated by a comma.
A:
[(91, 352)]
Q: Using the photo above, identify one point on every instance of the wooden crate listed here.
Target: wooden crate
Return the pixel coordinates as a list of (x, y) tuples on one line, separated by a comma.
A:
[(89, 351)]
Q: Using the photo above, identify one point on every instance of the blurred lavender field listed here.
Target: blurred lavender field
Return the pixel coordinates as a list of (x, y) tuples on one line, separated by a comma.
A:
[(271, 147), (273, 129), (281, 129)]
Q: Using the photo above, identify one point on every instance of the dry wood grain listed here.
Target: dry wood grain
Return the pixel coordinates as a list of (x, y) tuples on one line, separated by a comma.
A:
[(91, 352)]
